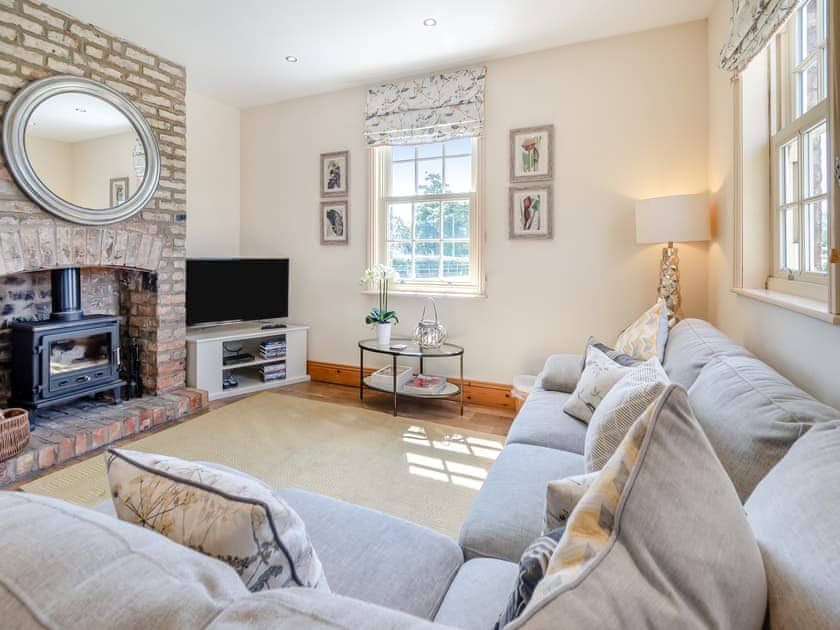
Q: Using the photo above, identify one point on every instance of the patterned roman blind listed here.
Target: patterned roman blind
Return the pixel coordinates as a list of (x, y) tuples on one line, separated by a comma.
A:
[(433, 108), (753, 24)]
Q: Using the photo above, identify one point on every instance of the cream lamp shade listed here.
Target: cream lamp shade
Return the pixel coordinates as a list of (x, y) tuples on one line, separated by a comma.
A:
[(674, 219)]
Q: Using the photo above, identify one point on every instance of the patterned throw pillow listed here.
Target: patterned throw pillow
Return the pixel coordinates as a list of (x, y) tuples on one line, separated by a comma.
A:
[(647, 336), (562, 497), (597, 378), (624, 360), (532, 568), (661, 532), (233, 518), (621, 407)]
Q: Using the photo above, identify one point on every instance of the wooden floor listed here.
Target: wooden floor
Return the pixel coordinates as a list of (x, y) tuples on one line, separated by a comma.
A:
[(477, 418), (487, 419)]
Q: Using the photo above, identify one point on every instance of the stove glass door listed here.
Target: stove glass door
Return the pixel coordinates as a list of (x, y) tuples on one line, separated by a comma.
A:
[(79, 353)]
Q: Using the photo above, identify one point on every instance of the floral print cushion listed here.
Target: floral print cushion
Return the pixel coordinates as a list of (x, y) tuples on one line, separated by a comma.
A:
[(233, 518), (599, 375)]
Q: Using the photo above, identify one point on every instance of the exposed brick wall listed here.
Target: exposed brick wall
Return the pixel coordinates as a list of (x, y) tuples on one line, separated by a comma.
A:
[(38, 41)]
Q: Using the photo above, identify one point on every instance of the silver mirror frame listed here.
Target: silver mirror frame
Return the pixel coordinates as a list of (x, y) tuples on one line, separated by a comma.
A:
[(15, 121)]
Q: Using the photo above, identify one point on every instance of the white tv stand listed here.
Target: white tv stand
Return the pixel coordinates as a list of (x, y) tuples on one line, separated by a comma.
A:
[(206, 353)]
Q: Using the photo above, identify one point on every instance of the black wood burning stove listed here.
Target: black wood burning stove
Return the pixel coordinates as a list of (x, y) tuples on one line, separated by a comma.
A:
[(68, 356)]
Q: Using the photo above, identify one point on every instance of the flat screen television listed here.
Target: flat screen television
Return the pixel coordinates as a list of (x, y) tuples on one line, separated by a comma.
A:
[(236, 289)]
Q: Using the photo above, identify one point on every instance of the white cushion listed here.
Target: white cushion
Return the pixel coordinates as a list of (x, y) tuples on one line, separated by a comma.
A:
[(597, 378), (234, 518)]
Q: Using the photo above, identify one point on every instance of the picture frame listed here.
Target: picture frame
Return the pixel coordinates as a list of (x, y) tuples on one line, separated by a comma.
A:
[(531, 154), (118, 191), (335, 222), (526, 221), (335, 174)]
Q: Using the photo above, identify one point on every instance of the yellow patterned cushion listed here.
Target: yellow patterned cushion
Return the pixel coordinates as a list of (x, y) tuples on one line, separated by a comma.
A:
[(646, 337)]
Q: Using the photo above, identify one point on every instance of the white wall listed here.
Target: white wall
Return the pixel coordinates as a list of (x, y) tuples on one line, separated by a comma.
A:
[(53, 163), (96, 162), (803, 349), (213, 175), (631, 121)]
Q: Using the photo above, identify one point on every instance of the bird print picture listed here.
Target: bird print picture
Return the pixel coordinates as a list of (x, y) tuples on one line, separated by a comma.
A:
[(530, 212), (334, 222), (531, 154)]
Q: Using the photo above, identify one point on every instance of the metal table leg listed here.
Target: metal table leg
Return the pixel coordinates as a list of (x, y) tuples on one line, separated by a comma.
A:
[(394, 371), (462, 382), (361, 373)]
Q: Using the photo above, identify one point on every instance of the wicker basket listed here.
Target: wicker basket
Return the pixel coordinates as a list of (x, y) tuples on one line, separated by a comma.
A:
[(14, 432)]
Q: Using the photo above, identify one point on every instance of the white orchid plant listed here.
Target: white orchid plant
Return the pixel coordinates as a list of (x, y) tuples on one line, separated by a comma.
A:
[(383, 275)]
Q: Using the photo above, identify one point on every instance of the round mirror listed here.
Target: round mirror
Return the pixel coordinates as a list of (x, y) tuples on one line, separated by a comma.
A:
[(81, 150)]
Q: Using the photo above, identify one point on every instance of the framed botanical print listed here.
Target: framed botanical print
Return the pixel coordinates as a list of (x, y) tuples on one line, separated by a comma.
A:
[(531, 211), (531, 154), (335, 222), (118, 191), (335, 174)]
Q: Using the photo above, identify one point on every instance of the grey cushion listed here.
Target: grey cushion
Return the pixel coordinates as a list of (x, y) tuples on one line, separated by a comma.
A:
[(679, 551), (795, 515), (375, 557), (508, 513), (542, 422), (752, 415), (691, 345), (478, 594), (560, 373)]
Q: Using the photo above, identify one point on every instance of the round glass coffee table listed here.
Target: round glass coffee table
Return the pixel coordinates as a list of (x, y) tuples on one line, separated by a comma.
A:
[(447, 350)]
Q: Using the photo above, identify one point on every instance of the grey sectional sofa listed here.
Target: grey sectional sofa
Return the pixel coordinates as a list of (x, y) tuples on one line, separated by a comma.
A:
[(388, 573)]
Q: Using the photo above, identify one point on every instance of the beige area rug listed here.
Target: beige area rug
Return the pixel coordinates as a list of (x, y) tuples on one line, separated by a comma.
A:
[(422, 471)]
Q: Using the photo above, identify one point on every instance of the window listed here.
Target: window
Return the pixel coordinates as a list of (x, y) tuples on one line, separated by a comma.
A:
[(800, 148), (425, 216)]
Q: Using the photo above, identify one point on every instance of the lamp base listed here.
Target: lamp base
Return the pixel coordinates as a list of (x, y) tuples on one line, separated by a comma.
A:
[(669, 283)]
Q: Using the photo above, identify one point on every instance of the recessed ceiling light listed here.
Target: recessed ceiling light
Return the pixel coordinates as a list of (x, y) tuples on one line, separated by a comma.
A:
[(430, 22), (291, 59)]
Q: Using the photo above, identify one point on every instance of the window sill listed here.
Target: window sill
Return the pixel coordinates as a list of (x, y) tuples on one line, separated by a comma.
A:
[(802, 305), (428, 294)]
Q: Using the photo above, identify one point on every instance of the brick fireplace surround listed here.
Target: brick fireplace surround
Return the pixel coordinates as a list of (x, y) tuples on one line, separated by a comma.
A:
[(134, 269)]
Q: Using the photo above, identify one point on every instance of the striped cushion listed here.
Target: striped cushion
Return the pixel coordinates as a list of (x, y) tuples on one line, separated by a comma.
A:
[(621, 407)]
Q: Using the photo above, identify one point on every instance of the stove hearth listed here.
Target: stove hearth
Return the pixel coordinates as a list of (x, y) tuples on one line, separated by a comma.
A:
[(68, 356)]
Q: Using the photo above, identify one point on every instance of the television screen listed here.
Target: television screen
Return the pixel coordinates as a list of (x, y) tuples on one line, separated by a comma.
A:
[(232, 289)]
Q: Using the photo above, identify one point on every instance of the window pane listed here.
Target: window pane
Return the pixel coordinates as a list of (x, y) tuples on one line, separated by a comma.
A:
[(816, 166), (402, 153), (816, 221), (456, 260), (399, 257), (399, 222), (402, 179), (429, 177), (459, 174), (461, 146), (427, 260), (427, 221), (788, 191), (790, 239), (429, 150), (456, 219), (808, 28), (810, 86)]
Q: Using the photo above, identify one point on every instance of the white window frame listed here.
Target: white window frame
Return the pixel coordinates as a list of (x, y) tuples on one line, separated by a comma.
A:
[(380, 172), (785, 126)]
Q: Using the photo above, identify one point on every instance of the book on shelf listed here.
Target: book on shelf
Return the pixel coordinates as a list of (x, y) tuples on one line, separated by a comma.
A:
[(425, 384)]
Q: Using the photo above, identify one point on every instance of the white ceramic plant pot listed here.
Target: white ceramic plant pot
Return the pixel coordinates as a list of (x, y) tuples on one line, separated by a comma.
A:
[(383, 334)]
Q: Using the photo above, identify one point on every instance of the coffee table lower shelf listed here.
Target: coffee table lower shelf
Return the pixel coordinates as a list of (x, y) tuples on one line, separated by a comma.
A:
[(451, 389)]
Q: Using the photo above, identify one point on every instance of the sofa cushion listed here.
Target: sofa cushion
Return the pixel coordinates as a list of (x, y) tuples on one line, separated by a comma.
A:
[(542, 422), (659, 540), (560, 373), (691, 345), (597, 378), (647, 336), (752, 415), (795, 517), (232, 517), (67, 567), (478, 594), (376, 557), (508, 513)]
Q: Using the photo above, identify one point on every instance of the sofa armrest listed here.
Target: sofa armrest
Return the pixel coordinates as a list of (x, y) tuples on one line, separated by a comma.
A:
[(560, 373)]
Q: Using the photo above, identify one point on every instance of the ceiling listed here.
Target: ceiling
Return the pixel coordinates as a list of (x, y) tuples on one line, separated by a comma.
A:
[(75, 117), (235, 51)]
